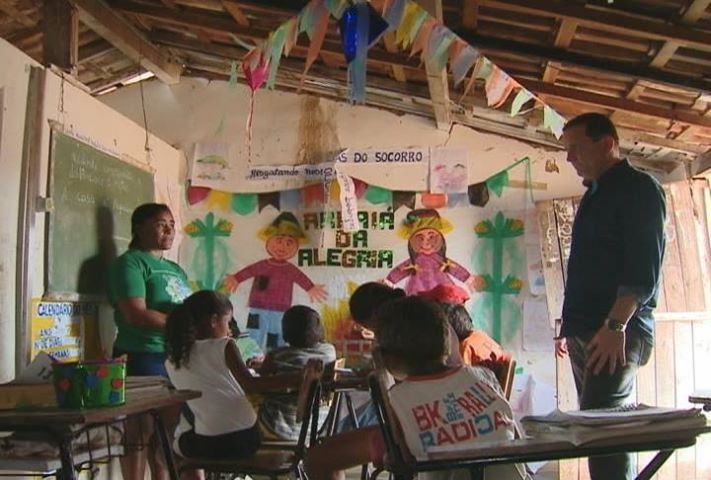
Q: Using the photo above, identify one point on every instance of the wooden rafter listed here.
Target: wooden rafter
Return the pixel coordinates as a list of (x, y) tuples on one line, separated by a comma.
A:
[(585, 61), (564, 35), (98, 16), (14, 13), (607, 19), (391, 46), (60, 36), (598, 100), (470, 13), (233, 9), (437, 77)]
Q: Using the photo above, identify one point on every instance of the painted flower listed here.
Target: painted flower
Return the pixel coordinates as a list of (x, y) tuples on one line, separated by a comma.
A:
[(483, 227), (92, 380), (514, 283), (117, 383), (64, 384), (224, 226), (102, 372), (191, 229), (515, 225)]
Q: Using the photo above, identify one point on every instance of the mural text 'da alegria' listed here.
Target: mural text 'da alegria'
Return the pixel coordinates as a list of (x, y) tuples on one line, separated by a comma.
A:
[(210, 249), (498, 250)]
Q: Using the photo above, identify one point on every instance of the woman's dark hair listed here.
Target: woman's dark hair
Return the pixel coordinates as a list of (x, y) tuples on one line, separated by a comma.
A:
[(414, 331), (368, 298), (190, 321), (141, 214), (301, 327), (459, 319)]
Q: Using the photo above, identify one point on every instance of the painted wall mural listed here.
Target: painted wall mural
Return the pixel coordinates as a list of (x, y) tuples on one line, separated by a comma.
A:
[(271, 251)]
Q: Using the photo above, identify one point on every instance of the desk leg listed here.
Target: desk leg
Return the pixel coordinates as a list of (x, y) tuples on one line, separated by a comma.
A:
[(648, 472), (165, 444), (64, 440)]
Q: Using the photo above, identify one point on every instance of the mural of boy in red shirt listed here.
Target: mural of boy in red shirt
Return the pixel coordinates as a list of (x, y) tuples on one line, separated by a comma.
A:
[(274, 278)]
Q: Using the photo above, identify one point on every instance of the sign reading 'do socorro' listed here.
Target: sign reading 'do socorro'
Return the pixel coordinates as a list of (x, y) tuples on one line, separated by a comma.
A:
[(387, 156)]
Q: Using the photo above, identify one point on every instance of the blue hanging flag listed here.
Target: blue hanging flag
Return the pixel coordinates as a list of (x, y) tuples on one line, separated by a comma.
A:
[(352, 31)]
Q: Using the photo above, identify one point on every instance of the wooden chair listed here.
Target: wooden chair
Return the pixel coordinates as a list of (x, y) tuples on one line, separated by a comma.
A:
[(275, 460), (506, 377)]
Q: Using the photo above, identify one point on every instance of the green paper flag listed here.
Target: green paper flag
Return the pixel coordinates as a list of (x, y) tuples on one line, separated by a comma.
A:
[(485, 69), (336, 7), (277, 47), (498, 182), (378, 195), (522, 97), (244, 203), (553, 121)]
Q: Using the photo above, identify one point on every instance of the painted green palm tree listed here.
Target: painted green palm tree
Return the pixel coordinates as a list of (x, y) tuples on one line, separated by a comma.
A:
[(498, 231), (209, 251)]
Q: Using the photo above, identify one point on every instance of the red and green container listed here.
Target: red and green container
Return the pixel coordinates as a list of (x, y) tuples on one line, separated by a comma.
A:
[(90, 384)]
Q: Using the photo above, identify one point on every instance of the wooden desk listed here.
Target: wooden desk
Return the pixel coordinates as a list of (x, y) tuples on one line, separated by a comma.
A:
[(57, 422), (558, 447), (702, 397)]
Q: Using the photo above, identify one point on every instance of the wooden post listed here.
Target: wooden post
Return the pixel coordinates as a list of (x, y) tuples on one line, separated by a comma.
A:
[(60, 35)]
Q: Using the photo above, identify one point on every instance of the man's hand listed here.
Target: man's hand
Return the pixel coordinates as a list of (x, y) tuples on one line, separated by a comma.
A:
[(561, 347), (229, 285), (606, 347)]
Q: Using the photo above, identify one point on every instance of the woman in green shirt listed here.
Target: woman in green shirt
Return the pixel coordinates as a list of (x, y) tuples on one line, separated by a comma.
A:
[(143, 288)]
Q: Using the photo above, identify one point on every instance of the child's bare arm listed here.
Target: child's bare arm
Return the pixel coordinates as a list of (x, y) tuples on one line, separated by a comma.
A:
[(251, 384), (268, 366)]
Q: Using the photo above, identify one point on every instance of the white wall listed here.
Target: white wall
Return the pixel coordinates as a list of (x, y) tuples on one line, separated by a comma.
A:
[(193, 110), (81, 115)]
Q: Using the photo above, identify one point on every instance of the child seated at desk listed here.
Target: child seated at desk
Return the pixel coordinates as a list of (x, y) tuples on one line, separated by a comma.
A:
[(434, 403), (475, 346), (202, 356), (302, 330)]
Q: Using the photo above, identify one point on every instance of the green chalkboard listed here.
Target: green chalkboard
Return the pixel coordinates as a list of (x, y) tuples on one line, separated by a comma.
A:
[(93, 195)]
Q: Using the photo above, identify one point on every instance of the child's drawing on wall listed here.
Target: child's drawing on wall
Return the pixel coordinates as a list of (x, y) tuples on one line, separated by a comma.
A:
[(449, 172), (428, 265), (274, 278)]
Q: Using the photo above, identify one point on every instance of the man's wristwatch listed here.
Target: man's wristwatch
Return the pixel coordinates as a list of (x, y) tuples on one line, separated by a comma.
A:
[(614, 325)]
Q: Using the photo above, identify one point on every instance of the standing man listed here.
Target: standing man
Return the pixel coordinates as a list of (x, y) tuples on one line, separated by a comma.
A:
[(613, 275)]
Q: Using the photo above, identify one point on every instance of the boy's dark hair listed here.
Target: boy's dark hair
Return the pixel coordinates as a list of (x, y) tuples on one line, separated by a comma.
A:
[(414, 331), (301, 327), (596, 125), (190, 321), (459, 319), (368, 298), (141, 214)]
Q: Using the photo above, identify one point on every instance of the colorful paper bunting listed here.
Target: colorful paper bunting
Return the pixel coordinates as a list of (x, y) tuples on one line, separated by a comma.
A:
[(244, 203), (278, 40), (219, 200), (336, 7), (422, 39), (406, 199), (497, 183), (553, 121), (320, 13), (197, 194), (290, 200), (457, 199), (393, 14), (434, 200), (265, 200), (313, 194), (498, 87), (349, 28), (403, 34), (438, 46), (463, 63), (378, 195), (360, 187), (478, 194), (519, 100)]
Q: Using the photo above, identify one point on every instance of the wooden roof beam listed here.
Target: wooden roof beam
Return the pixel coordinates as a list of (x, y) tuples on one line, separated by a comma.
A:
[(609, 20), (690, 16), (437, 79), (642, 72), (60, 35), (598, 100), (563, 37), (470, 13), (118, 31), (236, 12)]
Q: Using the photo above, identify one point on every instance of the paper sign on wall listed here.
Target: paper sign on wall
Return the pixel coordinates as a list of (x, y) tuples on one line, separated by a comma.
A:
[(449, 171), (349, 203), (58, 328)]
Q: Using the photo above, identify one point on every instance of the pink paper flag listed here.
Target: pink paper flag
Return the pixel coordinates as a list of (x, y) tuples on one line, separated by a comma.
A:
[(423, 37), (319, 35), (498, 87)]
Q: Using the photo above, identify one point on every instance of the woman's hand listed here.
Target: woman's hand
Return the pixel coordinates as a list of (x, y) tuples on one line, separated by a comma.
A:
[(229, 284)]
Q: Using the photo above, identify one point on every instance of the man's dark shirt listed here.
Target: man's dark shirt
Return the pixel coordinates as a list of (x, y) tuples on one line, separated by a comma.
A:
[(617, 249)]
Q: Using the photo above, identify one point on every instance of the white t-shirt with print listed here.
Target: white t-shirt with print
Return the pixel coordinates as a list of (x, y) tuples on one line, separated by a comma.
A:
[(462, 406)]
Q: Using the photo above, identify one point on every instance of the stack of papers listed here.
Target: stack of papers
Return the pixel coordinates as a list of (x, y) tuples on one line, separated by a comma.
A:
[(581, 426)]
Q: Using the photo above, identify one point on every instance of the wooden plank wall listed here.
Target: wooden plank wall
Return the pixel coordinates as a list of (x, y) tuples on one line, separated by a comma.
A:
[(682, 350)]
